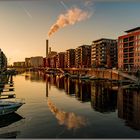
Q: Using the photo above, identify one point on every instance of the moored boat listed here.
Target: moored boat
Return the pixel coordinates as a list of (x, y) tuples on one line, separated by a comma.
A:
[(7, 107), (84, 77)]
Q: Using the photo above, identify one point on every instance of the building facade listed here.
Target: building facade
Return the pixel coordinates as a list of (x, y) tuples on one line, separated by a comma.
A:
[(19, 64), (83, 56), (129, 50), (104, 53), (53, 61), (37, 61), (60, 60), (70, 58), (27, 62), (50, 59)]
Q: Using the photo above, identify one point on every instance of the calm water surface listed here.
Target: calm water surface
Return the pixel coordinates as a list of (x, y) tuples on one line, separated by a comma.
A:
[(58, 107)]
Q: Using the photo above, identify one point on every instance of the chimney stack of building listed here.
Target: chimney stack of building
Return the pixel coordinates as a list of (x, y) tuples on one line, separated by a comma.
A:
[(49, 50), (47, 44)]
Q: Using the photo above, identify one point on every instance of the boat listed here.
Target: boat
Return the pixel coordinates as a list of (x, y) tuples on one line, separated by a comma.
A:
[(93, 78), (74, 76), (84, 77), (9, 106)]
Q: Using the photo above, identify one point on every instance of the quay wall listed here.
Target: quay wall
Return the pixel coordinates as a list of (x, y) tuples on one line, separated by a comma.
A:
[(106, 74)]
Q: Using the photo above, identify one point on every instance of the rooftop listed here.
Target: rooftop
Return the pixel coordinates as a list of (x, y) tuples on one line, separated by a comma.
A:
[(132, 30), (103, 39)]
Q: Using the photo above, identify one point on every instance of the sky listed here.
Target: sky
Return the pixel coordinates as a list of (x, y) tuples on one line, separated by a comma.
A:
[(24, 24)]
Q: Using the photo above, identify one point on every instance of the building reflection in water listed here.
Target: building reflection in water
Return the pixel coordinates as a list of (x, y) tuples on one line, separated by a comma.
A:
[(99, 93), (103, 98), (68, 119), (129, 107)]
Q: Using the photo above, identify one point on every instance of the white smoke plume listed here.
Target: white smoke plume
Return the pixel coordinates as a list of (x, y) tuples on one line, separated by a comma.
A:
[(71, 17)]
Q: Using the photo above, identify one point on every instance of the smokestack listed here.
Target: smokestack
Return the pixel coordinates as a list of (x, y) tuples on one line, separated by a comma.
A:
[(49, 50), (47, 44)]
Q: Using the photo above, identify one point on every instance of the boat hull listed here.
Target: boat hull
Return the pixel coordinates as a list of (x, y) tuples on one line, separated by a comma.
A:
[(9, 109)]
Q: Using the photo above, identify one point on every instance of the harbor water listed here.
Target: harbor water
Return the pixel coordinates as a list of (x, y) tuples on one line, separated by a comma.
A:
[(60, 107)]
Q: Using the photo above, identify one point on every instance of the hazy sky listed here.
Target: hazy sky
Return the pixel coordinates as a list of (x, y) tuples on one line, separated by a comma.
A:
[(24, 25)]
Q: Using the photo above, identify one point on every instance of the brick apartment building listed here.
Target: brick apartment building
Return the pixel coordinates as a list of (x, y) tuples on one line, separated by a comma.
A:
[(70, 58), (83, 56), (129, 49), (104, 53)]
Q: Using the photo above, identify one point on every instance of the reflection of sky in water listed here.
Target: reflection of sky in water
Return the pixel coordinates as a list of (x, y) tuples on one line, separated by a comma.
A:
[(69, 119)]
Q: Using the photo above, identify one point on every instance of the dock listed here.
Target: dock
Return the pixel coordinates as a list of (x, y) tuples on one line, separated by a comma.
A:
[(7, 96)]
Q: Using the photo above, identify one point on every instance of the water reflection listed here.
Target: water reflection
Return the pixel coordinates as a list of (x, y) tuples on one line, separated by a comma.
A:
[(103, 98), (69, 119), (9, 119), (12, 134), (129, 107), (100, 94)]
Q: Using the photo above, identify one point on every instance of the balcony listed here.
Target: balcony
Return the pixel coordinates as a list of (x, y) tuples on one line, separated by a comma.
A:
[(131, 38), (131, 54), (131, 60), (125, 40), (126, 56), (131, 49), (125, 60), (125, 45), (125, 50), (131, 43)]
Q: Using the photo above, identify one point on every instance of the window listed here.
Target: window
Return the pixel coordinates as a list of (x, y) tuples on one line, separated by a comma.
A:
[(131, 44), (125, 45), (125, 40), (131, 38)]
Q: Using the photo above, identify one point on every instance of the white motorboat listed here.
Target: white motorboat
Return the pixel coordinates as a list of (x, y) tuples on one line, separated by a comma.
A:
[(7, 106)]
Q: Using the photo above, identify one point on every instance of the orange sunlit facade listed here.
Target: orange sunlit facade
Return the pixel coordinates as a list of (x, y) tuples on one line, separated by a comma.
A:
[(129, 50)]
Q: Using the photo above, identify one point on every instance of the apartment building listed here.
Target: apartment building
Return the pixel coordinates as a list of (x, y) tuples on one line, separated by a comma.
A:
[(129, 49), (37, 61), (104, 53), (27, 62), (70, 58), (83, 56), (60, 60), (19, 64), (50, 59)]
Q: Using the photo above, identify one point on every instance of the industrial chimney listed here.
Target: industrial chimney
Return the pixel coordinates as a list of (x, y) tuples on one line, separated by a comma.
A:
[(47, 44), (49, 50)]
